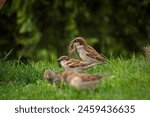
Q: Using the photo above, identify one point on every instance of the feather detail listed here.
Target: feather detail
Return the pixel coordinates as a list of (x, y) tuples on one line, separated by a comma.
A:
[(91, 52), (85, 77), (77, 63)]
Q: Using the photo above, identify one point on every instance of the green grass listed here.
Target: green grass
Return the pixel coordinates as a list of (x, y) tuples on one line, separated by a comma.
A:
[(129, 79)]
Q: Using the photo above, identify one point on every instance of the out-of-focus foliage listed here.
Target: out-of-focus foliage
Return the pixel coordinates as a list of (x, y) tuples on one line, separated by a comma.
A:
[(42, 29)]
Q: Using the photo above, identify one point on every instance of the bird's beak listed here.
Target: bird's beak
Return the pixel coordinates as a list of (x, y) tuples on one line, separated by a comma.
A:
[(71, 48)]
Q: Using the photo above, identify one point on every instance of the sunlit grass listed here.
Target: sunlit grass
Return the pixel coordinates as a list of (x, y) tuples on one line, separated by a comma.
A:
[(126, 79)]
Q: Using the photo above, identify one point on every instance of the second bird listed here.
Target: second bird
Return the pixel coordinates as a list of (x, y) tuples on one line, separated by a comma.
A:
[(86, 52)]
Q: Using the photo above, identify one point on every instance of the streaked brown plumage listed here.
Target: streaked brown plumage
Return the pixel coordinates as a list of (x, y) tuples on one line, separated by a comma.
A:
[(85, 51)]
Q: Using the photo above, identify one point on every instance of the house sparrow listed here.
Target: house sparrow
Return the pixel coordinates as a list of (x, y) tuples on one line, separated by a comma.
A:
[(85, 51), (73, 65), (81, 81)]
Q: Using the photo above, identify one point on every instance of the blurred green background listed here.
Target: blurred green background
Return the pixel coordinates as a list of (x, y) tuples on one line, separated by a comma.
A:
[(42, 29)]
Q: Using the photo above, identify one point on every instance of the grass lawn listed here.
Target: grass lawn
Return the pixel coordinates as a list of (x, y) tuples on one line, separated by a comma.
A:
[(129, 79)]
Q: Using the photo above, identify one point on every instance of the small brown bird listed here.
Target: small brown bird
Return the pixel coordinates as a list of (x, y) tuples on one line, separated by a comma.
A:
[(86, 52), (74, 65), (80, 81)]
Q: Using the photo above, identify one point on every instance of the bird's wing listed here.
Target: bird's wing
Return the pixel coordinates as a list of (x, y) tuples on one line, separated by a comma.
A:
[(88, 77), (77, 63), (91, 52)]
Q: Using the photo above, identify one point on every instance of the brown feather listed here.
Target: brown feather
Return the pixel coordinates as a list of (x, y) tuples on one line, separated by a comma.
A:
[(94, 53), (85, 77), (77, 63)]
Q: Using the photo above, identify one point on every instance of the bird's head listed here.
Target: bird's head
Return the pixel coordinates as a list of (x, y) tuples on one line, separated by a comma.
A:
[(78, 41)]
